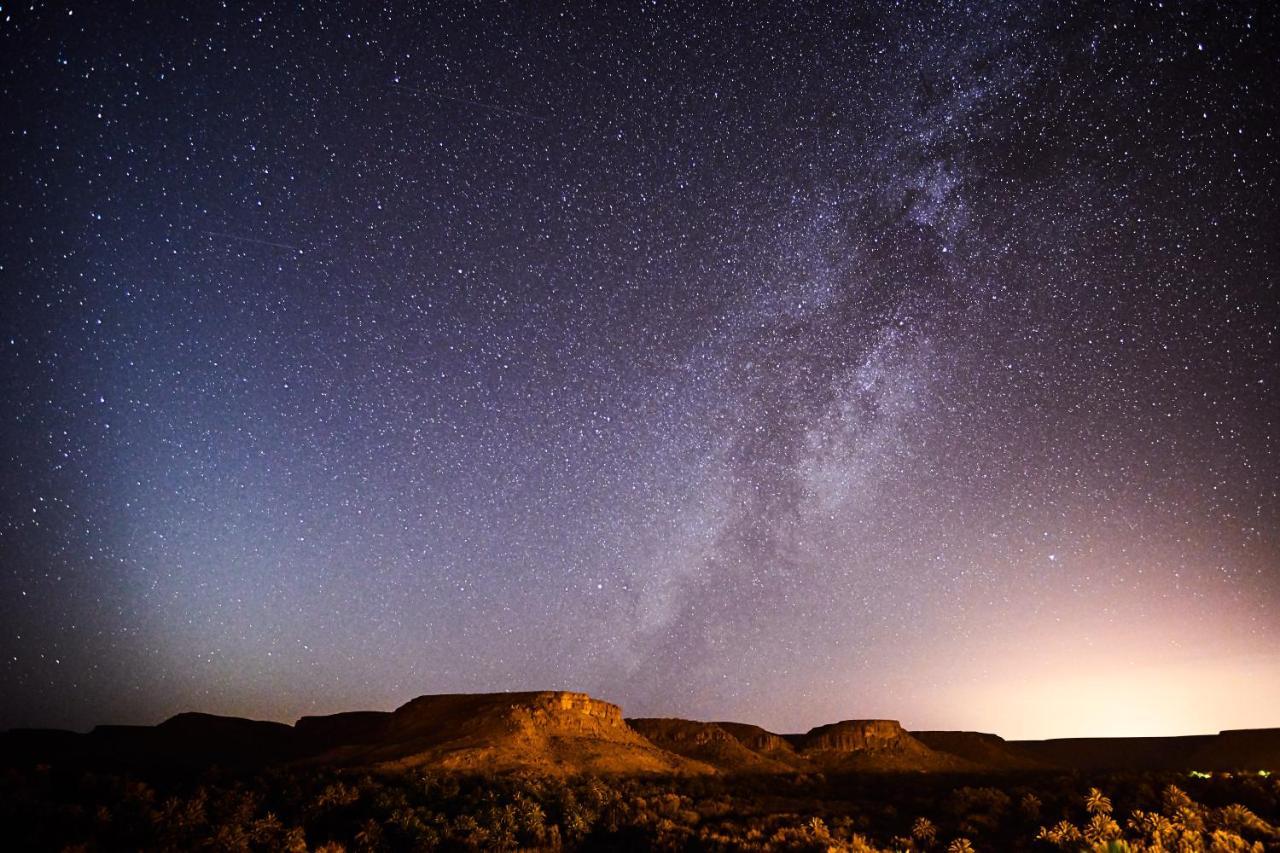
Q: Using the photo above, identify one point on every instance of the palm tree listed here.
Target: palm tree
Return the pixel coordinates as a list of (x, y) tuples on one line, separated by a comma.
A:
[(1156, 829), (924, 832), (1064, 834), (1101, 828), (1030, 805), (960, 845), (1097, 803)]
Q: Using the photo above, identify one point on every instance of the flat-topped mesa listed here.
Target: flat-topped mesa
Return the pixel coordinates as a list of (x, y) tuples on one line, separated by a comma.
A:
[(853, 736), (553, 732), (543, 712), (437, 713)]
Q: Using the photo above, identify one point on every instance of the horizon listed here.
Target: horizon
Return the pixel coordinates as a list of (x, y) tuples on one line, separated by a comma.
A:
[(743, 363), (288, 720)]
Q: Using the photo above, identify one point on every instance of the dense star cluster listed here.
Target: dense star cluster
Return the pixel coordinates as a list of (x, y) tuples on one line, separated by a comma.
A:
[(790, 365)]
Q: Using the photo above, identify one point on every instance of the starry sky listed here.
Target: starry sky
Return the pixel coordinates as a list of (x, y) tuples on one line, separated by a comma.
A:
[(786, 365)]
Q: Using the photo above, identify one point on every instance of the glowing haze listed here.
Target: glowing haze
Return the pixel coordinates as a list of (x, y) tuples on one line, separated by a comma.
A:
[(911, 361)]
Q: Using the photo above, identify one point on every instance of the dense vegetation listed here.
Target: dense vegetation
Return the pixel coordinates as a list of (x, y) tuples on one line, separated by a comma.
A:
[(49, 809)]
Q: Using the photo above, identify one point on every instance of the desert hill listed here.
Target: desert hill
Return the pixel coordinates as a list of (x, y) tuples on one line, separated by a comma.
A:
[(763, 741), (548, 733), (349, 727), (985, 750), (561, 733), (708, 743), (552, 732), (1115, 753), (189, 740), (1241, 749), (1245, 749), (846, 746), (872, 746)]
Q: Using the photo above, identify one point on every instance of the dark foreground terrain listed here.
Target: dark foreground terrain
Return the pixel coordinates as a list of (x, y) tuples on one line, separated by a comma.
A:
[(45, 808), (555, 770)]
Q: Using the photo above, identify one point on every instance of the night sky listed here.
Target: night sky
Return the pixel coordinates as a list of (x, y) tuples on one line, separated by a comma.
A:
[(786, 366)]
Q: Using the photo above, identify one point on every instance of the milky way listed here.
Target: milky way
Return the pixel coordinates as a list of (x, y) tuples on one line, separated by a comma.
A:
[(782, 365)]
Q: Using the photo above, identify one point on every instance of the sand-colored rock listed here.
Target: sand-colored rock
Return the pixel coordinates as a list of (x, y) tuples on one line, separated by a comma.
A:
[(853, 736), (871, 746), (552, 732)]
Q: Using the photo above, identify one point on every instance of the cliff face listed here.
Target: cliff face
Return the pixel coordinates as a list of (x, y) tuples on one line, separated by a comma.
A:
[(570, 713), (854, 736), (542, 713)]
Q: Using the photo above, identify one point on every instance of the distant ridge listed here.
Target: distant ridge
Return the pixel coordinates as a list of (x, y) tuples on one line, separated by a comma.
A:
[(982, 749), (562, 733), (1238, 749), (847, 746), (710, 744)]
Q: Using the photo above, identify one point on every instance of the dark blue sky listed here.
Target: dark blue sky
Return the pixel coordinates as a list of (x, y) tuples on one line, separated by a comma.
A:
[(782, 364)]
